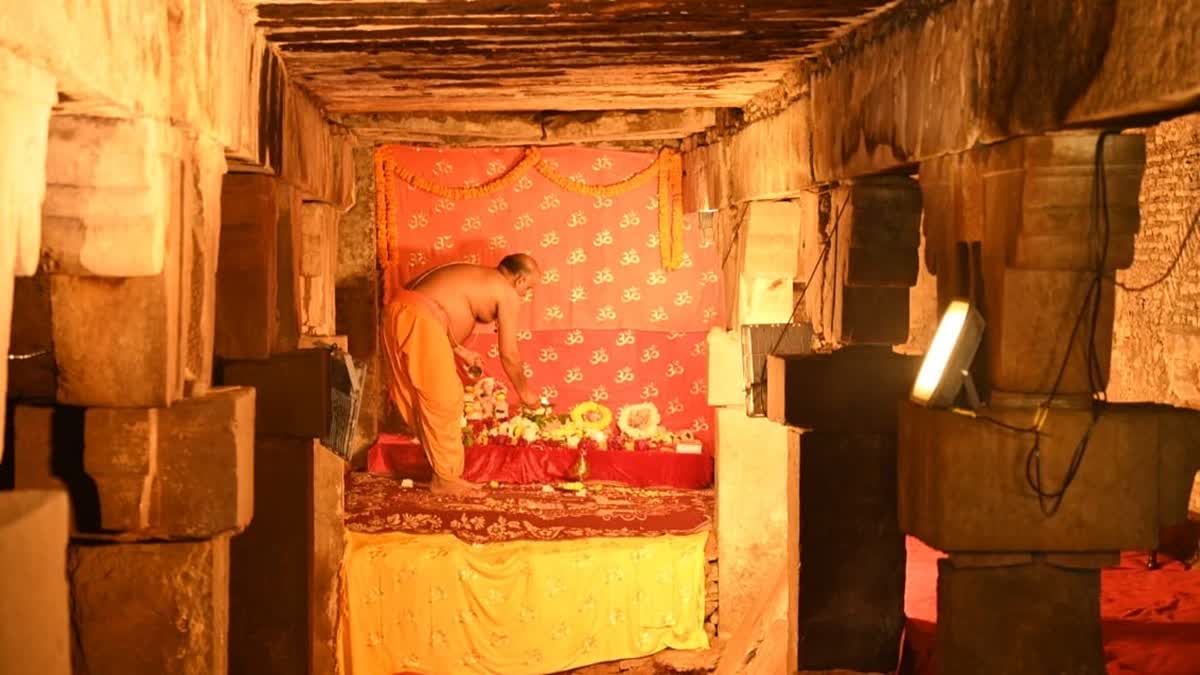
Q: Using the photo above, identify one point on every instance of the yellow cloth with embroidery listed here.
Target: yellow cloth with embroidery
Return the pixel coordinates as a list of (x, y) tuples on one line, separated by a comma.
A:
[(436, 605)]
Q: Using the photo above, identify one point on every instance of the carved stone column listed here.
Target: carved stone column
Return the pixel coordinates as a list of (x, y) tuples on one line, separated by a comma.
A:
[(26, 95), (1016, 229)]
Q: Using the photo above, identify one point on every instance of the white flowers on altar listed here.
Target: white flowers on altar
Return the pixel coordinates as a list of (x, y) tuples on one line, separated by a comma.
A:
[(639, 421)]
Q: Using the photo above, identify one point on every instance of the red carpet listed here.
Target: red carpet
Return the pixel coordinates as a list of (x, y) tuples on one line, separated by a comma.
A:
[(403, 457), (376, 503), (1151, 620)]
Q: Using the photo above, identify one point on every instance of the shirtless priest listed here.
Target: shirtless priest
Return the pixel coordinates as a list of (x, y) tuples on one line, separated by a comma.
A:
[(424, 327)]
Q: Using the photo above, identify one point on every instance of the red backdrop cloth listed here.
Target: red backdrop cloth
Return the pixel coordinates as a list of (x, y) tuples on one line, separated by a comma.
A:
[(601, 267), (403, 457), (607, 323)]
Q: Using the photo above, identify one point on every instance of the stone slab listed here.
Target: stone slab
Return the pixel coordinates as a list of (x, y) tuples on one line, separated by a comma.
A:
[(1038, 201), (35, 636), (120, 454), (855, 388), (852, 553), (963, 483), (174, 600), (108, 195), (289, 283), (206, 464), (247, 281), (48, 455), (757, 483), (29, 92), (284, 567), (117, 341), (293, 391), (1058, 630), (726, 381)]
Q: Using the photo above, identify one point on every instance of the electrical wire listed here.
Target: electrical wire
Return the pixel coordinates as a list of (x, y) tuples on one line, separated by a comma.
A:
[(1051, 500), (1166, 274)]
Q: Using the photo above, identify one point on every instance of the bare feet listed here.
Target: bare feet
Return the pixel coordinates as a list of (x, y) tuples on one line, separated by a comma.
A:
[(456, 487)]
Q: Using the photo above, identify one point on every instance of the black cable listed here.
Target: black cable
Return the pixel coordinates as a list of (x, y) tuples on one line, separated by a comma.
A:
[(1051, 500), (1174, 261)]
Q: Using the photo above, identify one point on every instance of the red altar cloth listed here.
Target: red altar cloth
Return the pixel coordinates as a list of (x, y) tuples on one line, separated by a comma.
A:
[(402, 456)]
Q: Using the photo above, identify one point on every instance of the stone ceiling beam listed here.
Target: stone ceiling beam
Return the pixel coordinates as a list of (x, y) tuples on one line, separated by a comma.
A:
[(490, 129), (938, 77)]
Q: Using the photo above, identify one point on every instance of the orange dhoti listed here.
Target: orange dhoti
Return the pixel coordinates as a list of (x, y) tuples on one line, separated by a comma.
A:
[(424, 382)]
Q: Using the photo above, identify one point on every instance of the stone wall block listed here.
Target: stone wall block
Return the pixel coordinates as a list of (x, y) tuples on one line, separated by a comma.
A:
[(318, 267), (852, 554), (202, 211), (757, 483), (108, 196), (289, 284), (1038, 201), (292, 390), (975, 635), (206, 464), (120, 453), (247, 278), (28, 92), (174, 602), (35, 636), (856, 388)]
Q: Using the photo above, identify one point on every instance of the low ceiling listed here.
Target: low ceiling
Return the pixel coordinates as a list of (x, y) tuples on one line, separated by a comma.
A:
[(360, 56)]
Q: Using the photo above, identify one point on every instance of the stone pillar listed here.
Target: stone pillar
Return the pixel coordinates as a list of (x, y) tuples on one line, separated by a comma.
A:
[(145, 473), (26, 96), (35, 635), (1012, 228), (318, 267), (840, 408), (174, 607), (284, 571), (247, 281)]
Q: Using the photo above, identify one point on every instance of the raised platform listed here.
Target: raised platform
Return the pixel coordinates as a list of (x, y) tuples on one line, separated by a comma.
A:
[(520, 581), (402, 456)]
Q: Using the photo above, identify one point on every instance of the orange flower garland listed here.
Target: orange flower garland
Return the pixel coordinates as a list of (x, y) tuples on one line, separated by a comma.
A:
[(668, 167)]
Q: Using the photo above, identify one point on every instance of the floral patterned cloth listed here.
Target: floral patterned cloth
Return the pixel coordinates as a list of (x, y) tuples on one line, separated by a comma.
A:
[(377, 503)]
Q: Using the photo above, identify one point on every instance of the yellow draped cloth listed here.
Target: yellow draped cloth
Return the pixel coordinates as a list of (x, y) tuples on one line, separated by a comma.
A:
[(433, 604)]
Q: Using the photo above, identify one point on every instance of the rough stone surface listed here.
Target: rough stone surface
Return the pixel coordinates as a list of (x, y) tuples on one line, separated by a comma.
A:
[(174, 602), (35, 636), (756, 483), (771, 158), (1058, 631), (356, 235), (318, 267), (206, 464), (1156, 345), (247, 282), (136, 361), (120, 453), (201, 214), (48, 455), (957, 497), (852, 553), (108, 196)]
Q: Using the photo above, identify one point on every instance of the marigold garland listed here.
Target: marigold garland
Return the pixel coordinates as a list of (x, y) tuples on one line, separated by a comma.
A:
[(667, 167)]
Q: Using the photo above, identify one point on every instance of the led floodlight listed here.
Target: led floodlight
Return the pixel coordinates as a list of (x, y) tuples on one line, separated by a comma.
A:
[(944, 369)]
